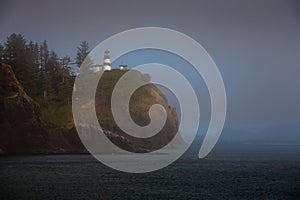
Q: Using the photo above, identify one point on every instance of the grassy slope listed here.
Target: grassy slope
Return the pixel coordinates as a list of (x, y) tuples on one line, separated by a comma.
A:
[(61, 114)]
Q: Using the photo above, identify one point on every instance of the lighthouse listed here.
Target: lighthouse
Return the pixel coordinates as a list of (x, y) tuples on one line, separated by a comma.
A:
[(106, 61)]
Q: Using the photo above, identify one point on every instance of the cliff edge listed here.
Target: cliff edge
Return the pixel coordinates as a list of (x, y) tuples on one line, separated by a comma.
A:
[(23, 131)]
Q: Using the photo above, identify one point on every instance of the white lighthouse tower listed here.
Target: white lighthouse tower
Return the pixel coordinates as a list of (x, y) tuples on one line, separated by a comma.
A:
[(106, 61)]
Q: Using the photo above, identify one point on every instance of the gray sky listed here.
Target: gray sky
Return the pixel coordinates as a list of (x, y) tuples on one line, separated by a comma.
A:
[(255, 43)]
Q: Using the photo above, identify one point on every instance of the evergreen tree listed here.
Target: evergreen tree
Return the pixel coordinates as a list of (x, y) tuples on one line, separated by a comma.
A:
[(32, 69), (1, 53), (15, 55), (82, 52), (65, 61), (67, 81), (44, 59), (42, 73)]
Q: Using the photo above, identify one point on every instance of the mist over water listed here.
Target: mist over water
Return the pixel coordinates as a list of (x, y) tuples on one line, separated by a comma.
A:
[(260, 172), (255, 45)]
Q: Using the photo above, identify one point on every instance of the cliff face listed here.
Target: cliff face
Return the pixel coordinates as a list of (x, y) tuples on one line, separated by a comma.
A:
[(140, 103), (18, 107), (22, 129), (20, 117)]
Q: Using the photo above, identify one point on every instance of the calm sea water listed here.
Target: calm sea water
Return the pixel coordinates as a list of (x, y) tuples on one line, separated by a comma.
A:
[(260, 172)]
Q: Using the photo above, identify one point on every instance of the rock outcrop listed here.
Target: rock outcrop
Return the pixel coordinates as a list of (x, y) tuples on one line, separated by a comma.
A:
[(23, 131), (21, 127), (140, 103)]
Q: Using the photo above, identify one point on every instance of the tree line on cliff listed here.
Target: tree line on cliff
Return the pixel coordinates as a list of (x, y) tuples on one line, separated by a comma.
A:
[(45, 76)]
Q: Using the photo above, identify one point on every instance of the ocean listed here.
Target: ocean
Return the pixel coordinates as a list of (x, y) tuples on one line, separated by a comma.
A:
[(229, 172)]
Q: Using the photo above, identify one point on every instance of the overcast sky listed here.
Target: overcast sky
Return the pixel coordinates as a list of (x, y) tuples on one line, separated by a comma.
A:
[(255, 43)]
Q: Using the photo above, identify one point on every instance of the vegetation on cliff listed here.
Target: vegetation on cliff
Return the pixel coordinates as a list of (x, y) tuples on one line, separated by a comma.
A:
[(140, 103), (35, 103), (21, 124), (46, 77)]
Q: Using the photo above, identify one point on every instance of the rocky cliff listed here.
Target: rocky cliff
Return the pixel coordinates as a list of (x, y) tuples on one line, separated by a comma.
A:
[(22, 129), (141, 101)]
